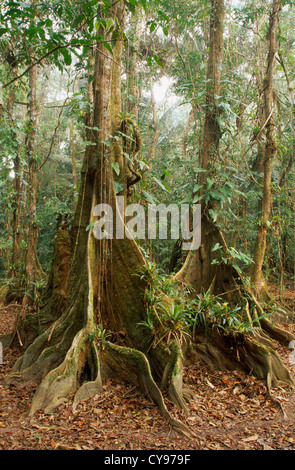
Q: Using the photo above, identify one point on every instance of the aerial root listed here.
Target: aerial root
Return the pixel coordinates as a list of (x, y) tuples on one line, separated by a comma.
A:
[(283, 336), (47, 351), (271, 330), (278, 403), (265, 363)]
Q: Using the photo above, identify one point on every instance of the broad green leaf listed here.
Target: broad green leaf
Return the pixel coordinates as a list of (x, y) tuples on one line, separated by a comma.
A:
[(116, 168), (197, 199), (108, 47), (210, 183), (213, 214), (153, 26), (165, 30), (67, 56), (90, 226), (161, 184), (165, 173), (118, 187), (197, 187), (158, 60), (216, 247)]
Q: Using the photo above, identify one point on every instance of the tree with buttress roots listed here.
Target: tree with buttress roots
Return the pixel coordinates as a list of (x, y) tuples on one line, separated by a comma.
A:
[(94, 322)]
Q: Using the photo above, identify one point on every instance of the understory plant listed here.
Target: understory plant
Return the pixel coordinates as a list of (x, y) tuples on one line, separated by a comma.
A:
[(213, 311), (180, 318)]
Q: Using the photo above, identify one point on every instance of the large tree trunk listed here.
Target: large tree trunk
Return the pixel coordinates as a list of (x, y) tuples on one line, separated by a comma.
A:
[(73, 160), (198, 270), (211, 136), (103, 291), (133, 91)]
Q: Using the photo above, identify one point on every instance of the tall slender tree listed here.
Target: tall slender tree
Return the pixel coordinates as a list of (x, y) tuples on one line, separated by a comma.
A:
[(31, 250), (198, 270), (270, 152), (17, 186)]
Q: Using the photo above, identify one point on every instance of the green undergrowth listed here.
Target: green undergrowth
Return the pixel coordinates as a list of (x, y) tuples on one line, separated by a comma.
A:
[(175, 313)]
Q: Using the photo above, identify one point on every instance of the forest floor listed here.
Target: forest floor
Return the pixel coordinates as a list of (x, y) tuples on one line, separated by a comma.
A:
[(230, 411)]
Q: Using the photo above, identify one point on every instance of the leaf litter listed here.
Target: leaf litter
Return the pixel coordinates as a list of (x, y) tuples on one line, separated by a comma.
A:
[(229, 411)]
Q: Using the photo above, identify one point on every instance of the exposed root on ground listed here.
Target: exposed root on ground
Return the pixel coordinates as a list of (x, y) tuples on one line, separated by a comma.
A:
[(249, 353), (69, 357), (133, 366)]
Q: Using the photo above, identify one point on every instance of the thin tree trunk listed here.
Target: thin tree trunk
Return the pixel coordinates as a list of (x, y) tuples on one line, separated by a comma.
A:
[(9, 237), (16, 207), (257, 277), (156, 127), (290, 164), (30, 262), (73, 160), (258, 166), (190, 120)]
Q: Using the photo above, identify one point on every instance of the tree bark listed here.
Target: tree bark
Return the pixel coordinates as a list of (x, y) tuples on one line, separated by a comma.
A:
[(257, 277), (17, 184), (190, 120), (212, 134), (156, 127), (73, 160), (198, 270), (31, 251), (133, 74)]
